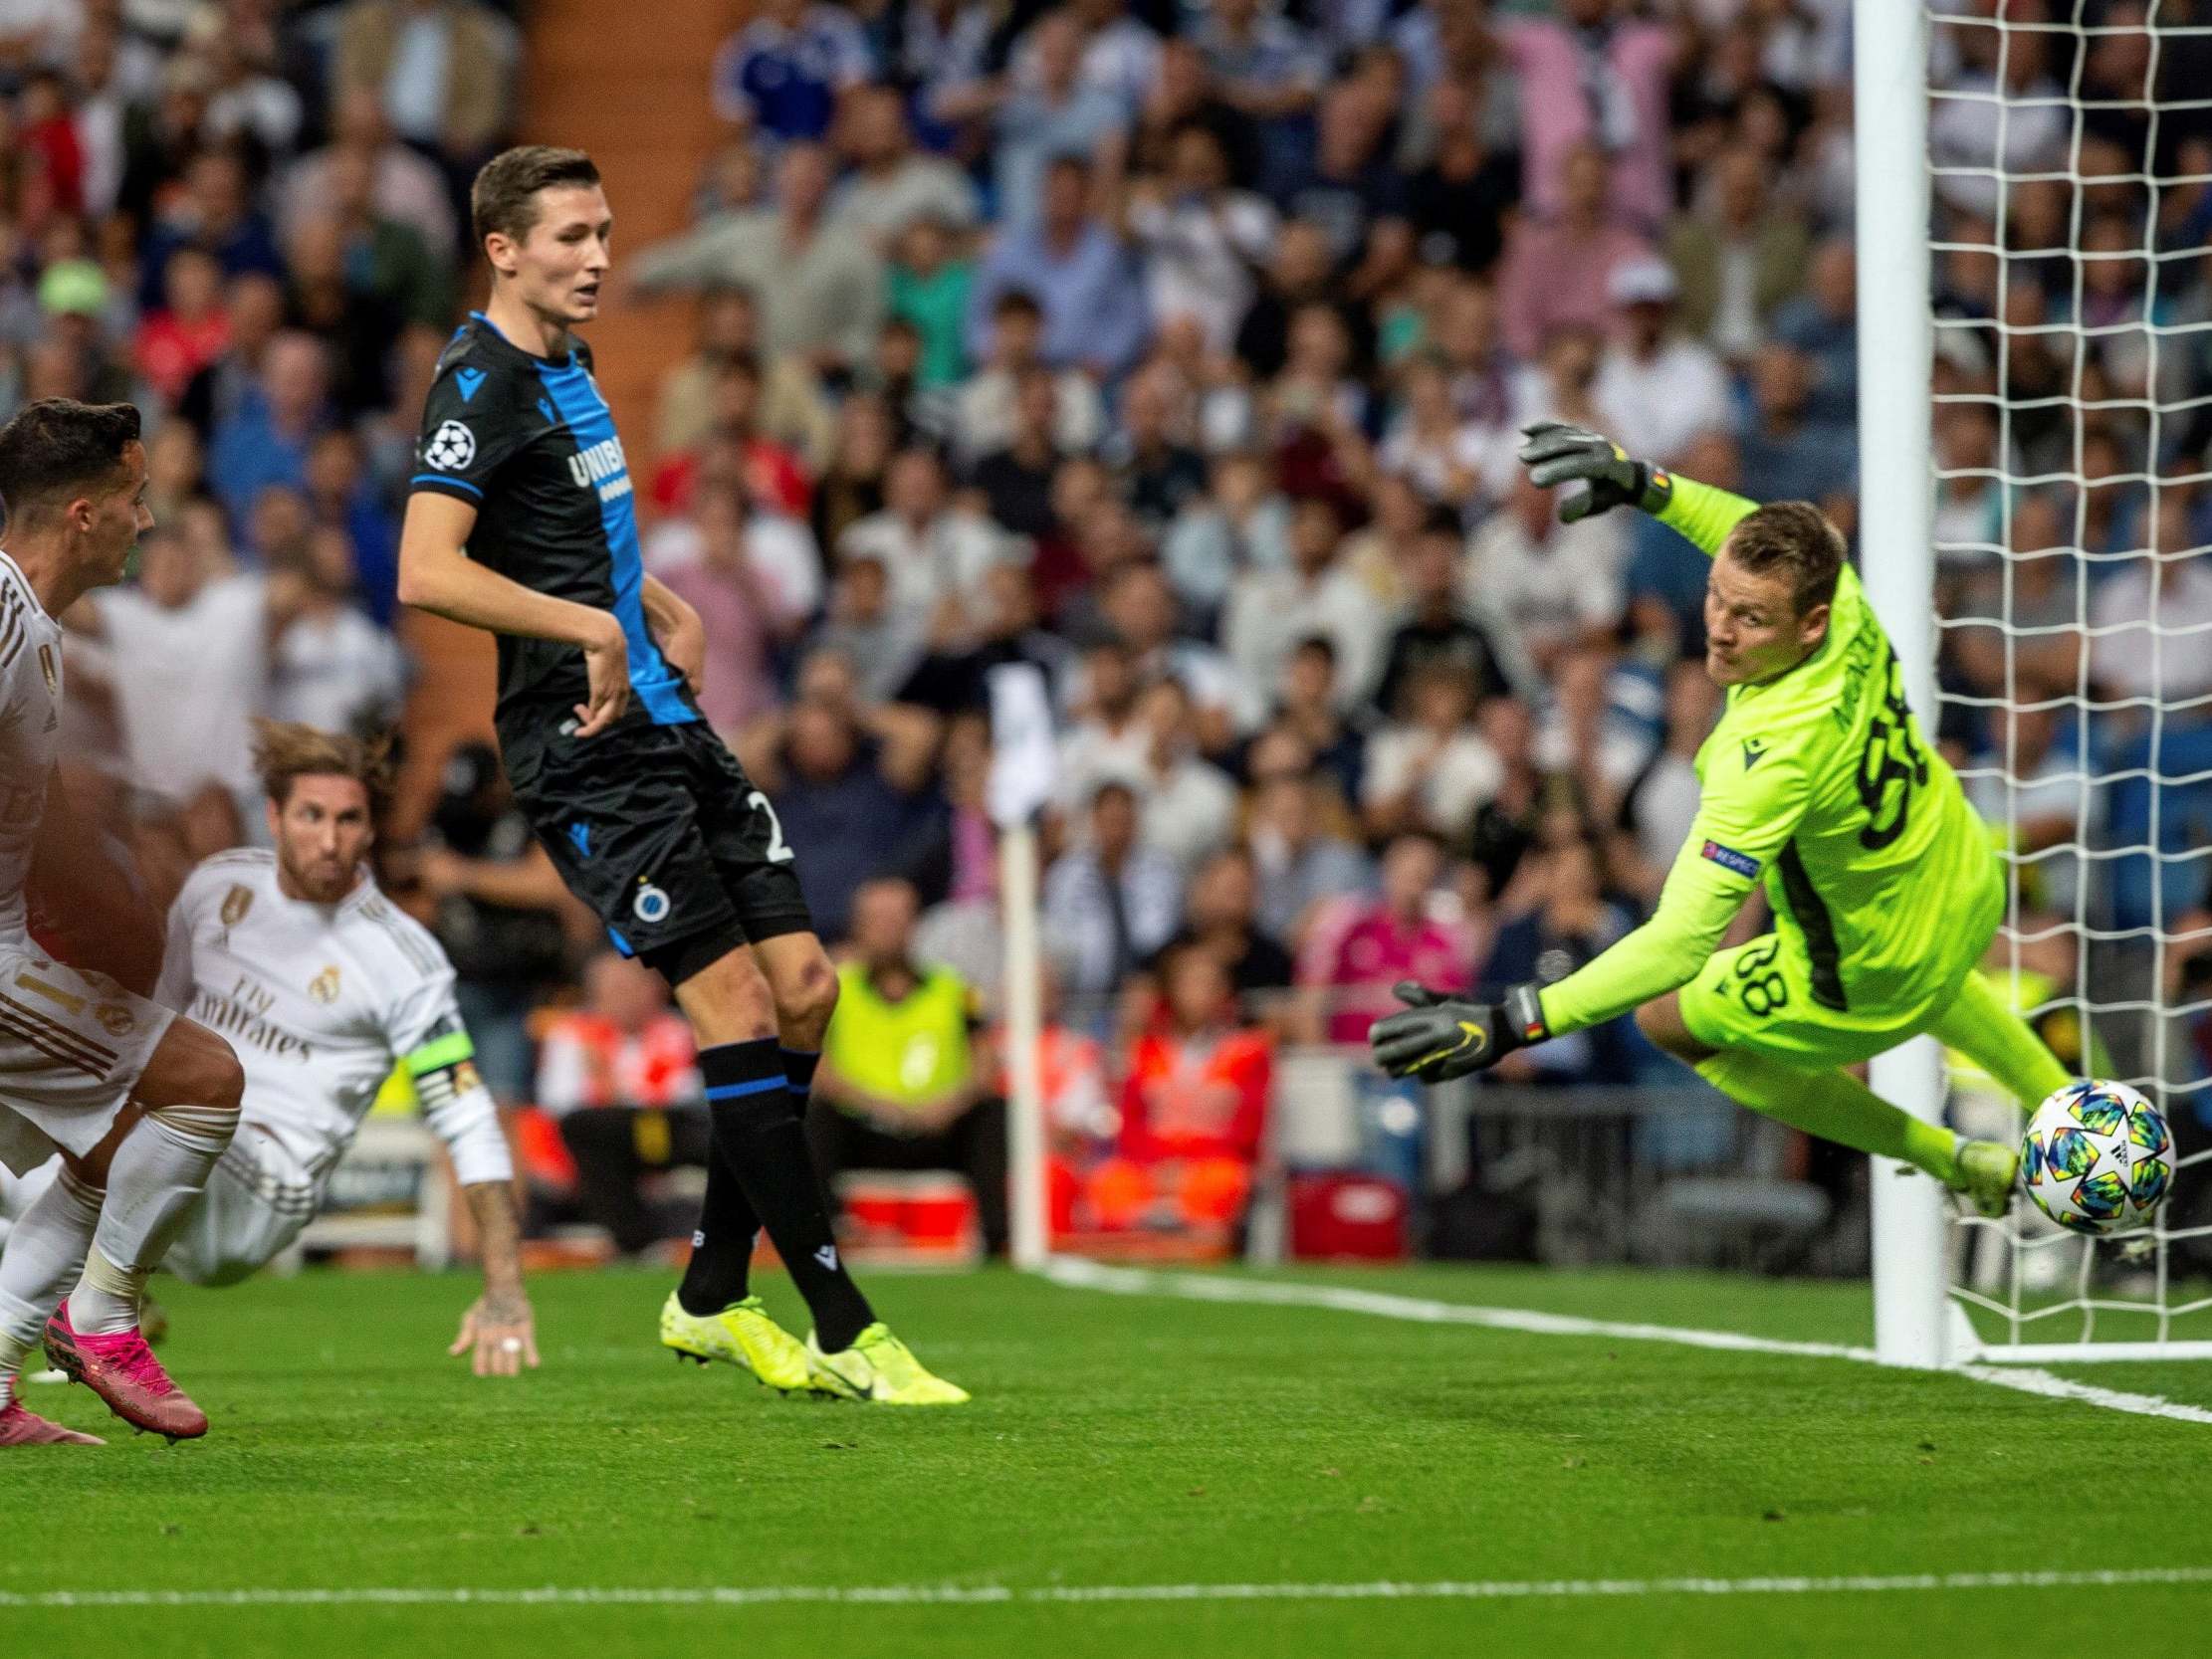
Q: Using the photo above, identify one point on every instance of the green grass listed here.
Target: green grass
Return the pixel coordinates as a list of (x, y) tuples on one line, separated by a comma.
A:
[(1115, 1440)]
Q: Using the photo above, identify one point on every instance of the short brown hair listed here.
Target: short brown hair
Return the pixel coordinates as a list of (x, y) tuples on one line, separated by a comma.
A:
[(284, 752), (504, 197), (1793, 541), (57, 446)]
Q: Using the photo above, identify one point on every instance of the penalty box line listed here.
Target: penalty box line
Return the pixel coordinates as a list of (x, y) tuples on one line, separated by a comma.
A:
[(1077, 1273), (988, 1595)]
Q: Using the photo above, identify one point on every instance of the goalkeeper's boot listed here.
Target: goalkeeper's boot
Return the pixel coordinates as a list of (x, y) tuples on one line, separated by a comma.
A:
[(19, 1427), (123, 1370), (742, 1334), (879, 1368), (1986, 1171)]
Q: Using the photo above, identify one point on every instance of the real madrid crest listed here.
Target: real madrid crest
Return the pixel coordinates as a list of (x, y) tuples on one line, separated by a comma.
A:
[(236, 903), (115, 1019), (323, 986)]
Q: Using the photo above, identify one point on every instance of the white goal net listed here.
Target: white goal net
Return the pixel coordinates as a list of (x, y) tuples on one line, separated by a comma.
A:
[(2068, 155)]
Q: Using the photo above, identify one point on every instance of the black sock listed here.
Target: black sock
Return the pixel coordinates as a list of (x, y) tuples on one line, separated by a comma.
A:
[(758, 1138), (720, 1271), (798, 1070)]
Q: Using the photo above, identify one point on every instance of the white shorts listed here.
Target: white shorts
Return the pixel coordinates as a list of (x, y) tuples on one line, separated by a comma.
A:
[(72, 1048), (258, 1200)]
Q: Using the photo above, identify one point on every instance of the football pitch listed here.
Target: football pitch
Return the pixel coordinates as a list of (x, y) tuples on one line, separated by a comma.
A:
[(1141, 1473)]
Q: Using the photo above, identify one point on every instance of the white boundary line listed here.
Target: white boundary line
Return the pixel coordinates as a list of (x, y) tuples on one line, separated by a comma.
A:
[(1079, 1274), (987, 1595)]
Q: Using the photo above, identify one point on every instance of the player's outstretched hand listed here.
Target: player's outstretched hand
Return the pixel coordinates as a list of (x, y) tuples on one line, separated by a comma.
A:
[(500, 1335), (606, 660), (1607, 475), (1436, 1039)]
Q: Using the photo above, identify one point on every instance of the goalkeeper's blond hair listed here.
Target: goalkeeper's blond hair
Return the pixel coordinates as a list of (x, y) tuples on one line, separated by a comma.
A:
[(284, 751), (1793, 541)]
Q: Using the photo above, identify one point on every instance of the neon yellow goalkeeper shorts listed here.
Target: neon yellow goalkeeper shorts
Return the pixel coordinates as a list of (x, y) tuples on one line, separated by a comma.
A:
[(1759, 998)]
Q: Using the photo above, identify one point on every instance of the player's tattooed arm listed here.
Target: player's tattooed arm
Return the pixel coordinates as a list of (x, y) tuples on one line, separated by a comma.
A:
[(499, 1332), (677, 629), (437, 575)]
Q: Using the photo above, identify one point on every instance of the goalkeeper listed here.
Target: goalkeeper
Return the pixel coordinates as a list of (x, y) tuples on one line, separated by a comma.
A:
[(1884, 888)]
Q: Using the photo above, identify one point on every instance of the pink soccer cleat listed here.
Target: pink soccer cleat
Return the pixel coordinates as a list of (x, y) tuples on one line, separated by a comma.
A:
[(19, 1427), (123, 1370)]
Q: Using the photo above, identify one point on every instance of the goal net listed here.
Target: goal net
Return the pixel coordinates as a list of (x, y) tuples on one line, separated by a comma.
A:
[(2069, 167)]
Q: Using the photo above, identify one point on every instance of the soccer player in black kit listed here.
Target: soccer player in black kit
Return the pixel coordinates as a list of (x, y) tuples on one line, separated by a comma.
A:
[(520, 521)]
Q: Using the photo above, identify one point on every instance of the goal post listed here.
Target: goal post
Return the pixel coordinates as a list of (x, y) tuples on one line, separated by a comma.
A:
[(1896, 534), (2076, 389)]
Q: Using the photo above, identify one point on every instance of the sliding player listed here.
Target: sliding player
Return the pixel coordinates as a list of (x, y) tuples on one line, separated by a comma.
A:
[(138, 1104), (520, 521), (323, 987), (1885, 887)]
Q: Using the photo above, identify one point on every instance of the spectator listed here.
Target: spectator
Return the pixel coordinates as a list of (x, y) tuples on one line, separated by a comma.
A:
[(792, 410), (1791, 458), (331, 667), (1225, 922), (1431, 772), (1308, 709), (1193, 1109), (736, 446), (443, 70), (1156, 473), (754, 578), (1015, 480), (1107, 739), (1357, 949), (1567, 924), (984, 416), (1739, 257), (1139, 606), (190, 328), (1438, 628), (1201, 240), (1658, 807), (1549, 585), (246, 100), (891, 187), (1448, 461), (820, 285), (1350, 184), (1050, 115), (1822, 324), (1656, 390), (1109, 901), (265, 439), (1297, 277), (1076, 270), (1594, 80), (404, 186), (74, 295), (353, 325), (2151, 601), (253, 309), (935, 553), (341, 496), (1457, 202), (863, 627), (1270, 611), (850, 485), (1243, 522), (955, 676), (1505, 830), (620, 1075), (1558, 267), (781, 75), (1189, 806), (385, 258), (929, 293), (1301, 863), (906, 1081), (847, 780)]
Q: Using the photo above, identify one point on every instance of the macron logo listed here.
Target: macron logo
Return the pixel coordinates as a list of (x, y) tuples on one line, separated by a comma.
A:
[(828, 1256), (468, 379)]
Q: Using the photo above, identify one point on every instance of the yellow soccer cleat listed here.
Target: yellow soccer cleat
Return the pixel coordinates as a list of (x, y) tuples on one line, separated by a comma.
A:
[(1986, 1173), (742, 1334), (879, 1368)]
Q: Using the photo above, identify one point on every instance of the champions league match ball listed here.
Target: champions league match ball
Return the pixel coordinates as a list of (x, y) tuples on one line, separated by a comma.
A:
[(2097, 1159)]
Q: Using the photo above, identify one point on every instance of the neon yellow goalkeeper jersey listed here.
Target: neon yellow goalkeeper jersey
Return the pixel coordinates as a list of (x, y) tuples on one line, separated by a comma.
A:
[(1818, 782)]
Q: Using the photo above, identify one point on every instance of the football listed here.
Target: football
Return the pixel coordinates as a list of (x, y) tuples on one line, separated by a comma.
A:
[(2097, 1159)]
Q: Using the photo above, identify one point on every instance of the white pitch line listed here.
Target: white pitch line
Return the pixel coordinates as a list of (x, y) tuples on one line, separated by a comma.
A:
[(988, 1595), (1077, 1273)]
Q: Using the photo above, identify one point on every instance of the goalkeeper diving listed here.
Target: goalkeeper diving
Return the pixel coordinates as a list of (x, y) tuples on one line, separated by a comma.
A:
[(1885, 887)]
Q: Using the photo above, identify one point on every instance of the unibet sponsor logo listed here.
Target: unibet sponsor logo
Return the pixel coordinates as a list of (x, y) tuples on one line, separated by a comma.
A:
[(601, 464)]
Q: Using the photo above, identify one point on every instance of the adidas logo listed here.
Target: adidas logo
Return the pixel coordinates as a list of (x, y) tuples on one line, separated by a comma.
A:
[(828, 1256)]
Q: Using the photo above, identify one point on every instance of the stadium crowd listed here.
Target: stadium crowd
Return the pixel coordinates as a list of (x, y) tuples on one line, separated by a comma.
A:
[(1178, 347)]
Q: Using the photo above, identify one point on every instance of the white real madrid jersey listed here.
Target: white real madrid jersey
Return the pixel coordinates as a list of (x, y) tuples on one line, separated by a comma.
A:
[(30, 725), (318, 1002)]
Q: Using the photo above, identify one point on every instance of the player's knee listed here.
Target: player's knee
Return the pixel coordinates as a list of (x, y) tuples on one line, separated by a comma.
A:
[(814, 993), (197, 1073)]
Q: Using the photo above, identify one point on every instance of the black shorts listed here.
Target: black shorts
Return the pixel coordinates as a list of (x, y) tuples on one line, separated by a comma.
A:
[(658, 829)]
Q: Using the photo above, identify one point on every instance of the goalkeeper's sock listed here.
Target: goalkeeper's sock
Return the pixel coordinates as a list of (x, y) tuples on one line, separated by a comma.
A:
[(1981, 1025), (1835, 1105)]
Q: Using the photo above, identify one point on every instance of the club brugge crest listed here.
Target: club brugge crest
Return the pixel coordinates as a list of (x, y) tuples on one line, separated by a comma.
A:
[(651, 903), (323, 986), (236, 903)]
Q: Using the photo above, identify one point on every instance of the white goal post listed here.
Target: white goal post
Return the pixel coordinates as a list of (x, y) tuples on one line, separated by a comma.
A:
[(2018, 1291)]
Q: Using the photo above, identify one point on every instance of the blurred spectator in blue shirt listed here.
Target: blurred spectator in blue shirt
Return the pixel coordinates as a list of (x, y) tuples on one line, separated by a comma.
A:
[(1822, 322), (782, 73), (265, 439), (1077, 271), (1787, 456), (215, 211), (1045, 112)]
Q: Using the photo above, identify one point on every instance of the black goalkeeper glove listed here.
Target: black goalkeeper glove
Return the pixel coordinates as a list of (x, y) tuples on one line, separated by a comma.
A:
[(1555, 452), (1437, 1040)]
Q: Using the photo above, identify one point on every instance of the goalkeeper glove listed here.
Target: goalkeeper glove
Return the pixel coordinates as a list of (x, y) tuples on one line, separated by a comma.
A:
[(1437, 1040), (1559, 454)]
